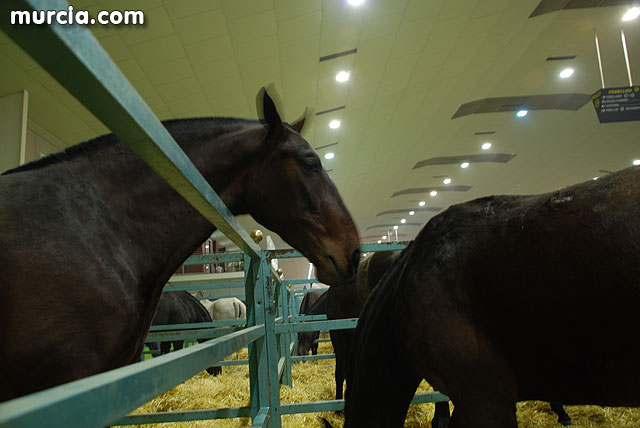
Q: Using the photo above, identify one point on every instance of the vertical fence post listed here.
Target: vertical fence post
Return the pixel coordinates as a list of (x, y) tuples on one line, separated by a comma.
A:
[(265, 292), (258, 364), (286, 342)]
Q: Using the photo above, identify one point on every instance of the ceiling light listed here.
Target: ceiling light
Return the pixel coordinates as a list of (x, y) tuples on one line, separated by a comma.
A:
[(355, 2), (403, 221), (384, 237), (636, 162), (329, 155), (595, 178), (335, 123), (522, 113), (464, 165), (395, 227), (433, 193), (342, 76), (632, 13), (379, 241), (567, 72), (421, 203), (486, 146), (412, 212), (446, 181)]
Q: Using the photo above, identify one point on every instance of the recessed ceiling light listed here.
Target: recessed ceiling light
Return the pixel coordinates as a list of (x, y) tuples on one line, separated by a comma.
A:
[(636, 162), (384, 237), (567, 72), (446, 181), (486, 146), (433, 193), (355, 2), (412, 212), (403, 221), (421, 203), (379, 241), (329, 155), (464, 165), (335, 123), (632, 13), (522, 113), (395, 227), (342, 76), (595, 178)]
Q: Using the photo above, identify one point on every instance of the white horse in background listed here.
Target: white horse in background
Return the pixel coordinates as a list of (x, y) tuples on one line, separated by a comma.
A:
[(229, 308)]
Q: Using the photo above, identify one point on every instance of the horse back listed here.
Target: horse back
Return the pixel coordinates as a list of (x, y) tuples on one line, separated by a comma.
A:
[(543, 287)]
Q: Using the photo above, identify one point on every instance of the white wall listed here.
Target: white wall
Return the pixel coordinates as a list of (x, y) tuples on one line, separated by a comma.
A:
[(13, 120)]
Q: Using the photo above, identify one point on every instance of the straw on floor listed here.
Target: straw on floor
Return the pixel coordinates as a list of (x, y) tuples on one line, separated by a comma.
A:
[(314, 380)]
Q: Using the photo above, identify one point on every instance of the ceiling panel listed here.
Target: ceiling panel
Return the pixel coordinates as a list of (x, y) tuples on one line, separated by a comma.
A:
[(416, 63)]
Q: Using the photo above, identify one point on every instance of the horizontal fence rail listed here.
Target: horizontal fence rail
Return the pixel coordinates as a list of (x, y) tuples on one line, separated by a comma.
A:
[(82, 403)]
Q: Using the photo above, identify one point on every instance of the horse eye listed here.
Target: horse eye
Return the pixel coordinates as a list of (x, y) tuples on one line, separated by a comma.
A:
[(311, 164)]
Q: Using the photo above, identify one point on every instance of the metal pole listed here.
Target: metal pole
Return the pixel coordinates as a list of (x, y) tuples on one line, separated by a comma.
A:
[(599, 58), (626, 56)]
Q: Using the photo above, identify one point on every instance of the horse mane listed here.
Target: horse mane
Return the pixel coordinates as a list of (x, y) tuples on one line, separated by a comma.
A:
[(386, 281), (211, 126)]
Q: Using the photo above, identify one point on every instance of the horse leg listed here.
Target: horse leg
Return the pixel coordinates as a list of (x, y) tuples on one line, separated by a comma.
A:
[(441, 416), (367, 407), (214, 371), (563, 417), (339, 374), (482, 410)]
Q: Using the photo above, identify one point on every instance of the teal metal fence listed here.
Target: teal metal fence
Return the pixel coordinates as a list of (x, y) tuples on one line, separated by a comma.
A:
[(73, 56)]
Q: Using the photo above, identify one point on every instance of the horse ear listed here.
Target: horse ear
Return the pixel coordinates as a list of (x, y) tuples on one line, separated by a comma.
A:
[(267, 105), (303, 124)]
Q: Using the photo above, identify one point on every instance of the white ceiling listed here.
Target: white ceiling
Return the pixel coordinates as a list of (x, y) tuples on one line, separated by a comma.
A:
[(417, 61)]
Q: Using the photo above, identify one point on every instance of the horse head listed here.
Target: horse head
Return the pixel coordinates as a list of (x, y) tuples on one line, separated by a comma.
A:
[(290, 192)]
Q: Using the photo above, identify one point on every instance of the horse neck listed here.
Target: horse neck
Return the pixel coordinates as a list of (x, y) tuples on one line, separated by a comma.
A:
[(157, 221)]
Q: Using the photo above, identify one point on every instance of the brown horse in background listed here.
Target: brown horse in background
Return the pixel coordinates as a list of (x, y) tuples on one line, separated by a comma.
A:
[(508, 298), (90, 236)]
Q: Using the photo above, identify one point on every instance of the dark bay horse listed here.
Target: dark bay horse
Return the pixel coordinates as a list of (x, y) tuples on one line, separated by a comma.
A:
[(178, 307), (311, 305), (347, 302), (508, 298), (90, 236)]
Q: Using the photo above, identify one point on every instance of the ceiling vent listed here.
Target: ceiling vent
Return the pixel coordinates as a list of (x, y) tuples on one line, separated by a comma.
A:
[(324, 147), (484, 157), (530, 102), (331, 110), (338, 55), (406, 210), (547, 6), (458, 188), (561, 58)]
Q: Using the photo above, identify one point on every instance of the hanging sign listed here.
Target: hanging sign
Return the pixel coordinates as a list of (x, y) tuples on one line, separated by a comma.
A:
[(617, 104)]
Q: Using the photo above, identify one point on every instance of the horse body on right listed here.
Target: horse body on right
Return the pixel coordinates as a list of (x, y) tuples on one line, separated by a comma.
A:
[(508, 298)]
